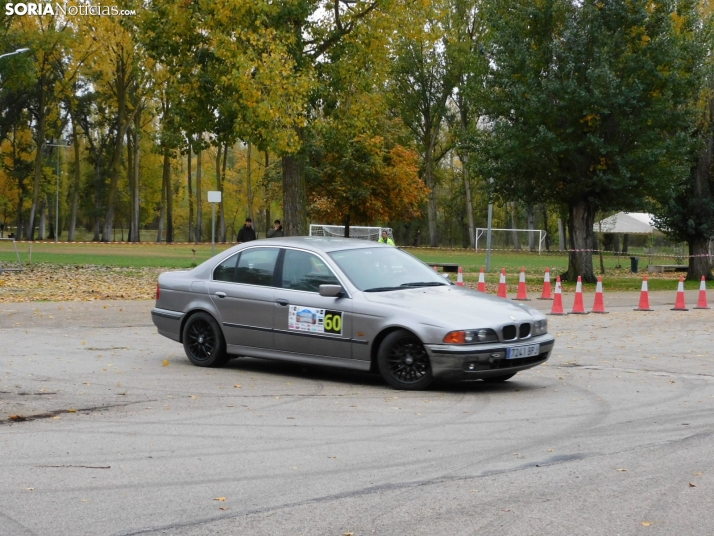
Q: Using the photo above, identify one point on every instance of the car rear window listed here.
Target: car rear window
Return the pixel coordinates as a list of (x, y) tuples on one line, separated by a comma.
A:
[(256, 266)]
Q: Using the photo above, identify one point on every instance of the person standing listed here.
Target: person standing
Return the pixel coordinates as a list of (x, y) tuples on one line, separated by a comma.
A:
[(385, 239), (276, 231), (247, 233)]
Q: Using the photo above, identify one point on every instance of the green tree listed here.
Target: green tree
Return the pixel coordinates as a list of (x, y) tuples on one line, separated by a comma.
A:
[(590, 106), (685, 211), (423, 78)]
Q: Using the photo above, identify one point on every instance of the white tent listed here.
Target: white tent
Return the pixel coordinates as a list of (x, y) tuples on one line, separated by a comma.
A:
[(626, 222)]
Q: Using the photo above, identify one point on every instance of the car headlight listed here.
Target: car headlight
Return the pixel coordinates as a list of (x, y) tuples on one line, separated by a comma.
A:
[(471, 336), (540, 327)]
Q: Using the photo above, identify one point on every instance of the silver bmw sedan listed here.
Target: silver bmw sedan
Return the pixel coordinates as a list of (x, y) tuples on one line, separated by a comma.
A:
[(346, 303)]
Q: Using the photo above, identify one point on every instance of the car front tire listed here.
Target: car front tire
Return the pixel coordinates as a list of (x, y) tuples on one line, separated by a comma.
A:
[(403, 362), (203, 341)]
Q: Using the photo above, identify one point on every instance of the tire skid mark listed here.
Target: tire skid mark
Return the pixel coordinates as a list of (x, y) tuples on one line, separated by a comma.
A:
[(402, 486), (17, 528), (49, 414)]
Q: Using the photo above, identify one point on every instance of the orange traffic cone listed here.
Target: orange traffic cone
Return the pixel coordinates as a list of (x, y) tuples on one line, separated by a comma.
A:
[(502, 284), (522, 296), (578, 306), (557, 300), (599, 306), (481, 282), (679, 304), (460, 277), (702, 303), (546, 295), (644, 297)]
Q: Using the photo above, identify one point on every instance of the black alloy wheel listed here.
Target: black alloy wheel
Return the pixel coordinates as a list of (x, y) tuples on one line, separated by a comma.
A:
[(203, 341), (403, 362)]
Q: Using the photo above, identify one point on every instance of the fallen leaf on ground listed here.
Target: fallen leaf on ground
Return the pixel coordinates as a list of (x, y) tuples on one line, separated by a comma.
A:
[(166, 362), (220, 499)]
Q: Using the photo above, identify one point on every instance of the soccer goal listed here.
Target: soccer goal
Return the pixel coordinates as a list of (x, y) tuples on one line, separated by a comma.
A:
[(363, 233), (9, 256), (523, 239)]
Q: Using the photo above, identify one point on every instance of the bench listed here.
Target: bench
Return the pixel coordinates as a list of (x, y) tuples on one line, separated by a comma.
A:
[(446, 267), (661, 268)]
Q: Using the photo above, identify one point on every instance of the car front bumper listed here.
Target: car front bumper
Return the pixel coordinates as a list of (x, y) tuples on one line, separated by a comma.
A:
[(452, 362)]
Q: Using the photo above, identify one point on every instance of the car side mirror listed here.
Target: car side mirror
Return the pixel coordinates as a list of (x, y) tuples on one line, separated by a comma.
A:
[(331, 291)]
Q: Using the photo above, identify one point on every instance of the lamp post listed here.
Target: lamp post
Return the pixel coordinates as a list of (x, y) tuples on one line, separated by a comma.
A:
[(18, 51), (213, 198), (57, 187)]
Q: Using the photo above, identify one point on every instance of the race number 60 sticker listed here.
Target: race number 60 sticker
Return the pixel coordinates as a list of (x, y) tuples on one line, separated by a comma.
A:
[(333, 322)]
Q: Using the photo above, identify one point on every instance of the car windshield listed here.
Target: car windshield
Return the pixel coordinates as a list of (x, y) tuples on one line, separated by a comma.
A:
[(384, 269)]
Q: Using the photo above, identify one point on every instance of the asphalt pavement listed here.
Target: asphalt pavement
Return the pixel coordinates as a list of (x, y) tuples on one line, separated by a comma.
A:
[(106, 429)]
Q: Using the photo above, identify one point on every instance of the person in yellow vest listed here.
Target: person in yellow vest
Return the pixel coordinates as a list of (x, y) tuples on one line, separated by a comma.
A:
[(385, 239)]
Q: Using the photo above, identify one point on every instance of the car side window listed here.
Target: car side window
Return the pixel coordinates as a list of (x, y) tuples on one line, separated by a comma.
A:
[(226, 271), (305, 271), (256, 266)]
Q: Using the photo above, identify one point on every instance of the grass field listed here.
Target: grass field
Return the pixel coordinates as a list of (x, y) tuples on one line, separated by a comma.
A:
[(187, 255)]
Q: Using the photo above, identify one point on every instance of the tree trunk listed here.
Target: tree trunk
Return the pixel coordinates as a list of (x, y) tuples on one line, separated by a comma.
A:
[(43, 219), (190, 196), (249, 181), (136, 212), (268, 223), (222, 218), (625, 242), (130, 177), (699, 261), (514, 225), (40, 143), (580, 227), (162, 206), (469, 200), (701, 176), (124, 118), (97, 201), (294, 217), (169, 196), (199, 200), (134, 190), (75, 184), (531, 227), (546, 227), (219, 187), (431, 200), (561, 235)]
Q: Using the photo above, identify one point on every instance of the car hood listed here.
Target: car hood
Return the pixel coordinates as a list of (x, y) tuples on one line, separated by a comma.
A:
[(455, 306)]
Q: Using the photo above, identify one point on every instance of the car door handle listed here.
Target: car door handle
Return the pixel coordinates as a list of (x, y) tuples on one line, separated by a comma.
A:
[(220, 294), (281, 302)]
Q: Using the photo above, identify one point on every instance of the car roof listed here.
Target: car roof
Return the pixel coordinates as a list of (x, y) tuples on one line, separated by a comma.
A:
[(323, 243)]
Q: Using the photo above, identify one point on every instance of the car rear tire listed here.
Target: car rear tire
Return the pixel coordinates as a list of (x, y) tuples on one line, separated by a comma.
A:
[(403, 362), (203, 341), (499, 379)]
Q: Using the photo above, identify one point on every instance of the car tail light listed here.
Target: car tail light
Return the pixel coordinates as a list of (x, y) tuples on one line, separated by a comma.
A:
[(158, 292)]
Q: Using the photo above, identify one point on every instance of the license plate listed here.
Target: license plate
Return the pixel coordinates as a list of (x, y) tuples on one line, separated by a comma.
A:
[(523, 351)]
